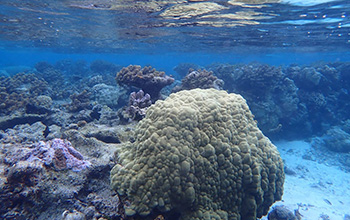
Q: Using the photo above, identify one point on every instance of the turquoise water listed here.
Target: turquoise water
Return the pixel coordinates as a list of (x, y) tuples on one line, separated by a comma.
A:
[(276, 32)]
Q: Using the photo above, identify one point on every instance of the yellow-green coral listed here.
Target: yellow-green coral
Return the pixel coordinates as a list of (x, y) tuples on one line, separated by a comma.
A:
[(199, 153)]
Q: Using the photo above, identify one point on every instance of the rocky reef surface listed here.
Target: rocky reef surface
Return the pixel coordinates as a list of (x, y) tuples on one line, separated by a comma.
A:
[(61, 124)]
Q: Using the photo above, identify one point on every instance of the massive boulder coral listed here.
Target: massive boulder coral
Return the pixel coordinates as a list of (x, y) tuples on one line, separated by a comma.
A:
[(200, 154), (147, 78)]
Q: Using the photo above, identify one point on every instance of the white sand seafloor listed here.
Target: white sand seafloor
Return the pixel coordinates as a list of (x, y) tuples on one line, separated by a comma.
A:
[(319, 191)]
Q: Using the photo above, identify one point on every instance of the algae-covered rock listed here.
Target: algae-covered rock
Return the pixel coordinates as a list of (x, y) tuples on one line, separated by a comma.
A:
[(199, 153)]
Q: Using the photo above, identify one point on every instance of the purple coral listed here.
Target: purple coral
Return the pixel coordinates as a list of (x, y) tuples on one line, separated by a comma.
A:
[(138, 104), (59, 153)]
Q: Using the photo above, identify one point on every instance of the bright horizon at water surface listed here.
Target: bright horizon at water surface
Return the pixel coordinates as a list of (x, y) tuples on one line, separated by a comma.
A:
[(270, 31)]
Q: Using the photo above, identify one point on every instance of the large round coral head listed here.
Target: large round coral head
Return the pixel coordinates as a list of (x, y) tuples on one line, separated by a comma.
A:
[(199, 153)]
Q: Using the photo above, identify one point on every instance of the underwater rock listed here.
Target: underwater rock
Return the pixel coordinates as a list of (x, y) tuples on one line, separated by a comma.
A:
[(29, 189), (201, 79), (337, 140), (107, 134), (199, 153), (58, 153), (106, 95), (108, 116), (40, 105), (25, 172), (147, 78), (89, 145), (73, 215), (24, 134), (18, 119), (281, 213)]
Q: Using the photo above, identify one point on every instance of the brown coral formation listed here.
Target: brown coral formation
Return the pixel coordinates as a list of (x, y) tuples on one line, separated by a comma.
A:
[(147, 78), (199, 153), (201, 79), (18, 91), (80, 101)]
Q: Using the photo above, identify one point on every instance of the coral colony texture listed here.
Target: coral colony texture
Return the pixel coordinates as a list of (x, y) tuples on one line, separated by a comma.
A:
[(196, 155), (200, 154), (137, 106), (147, 78), (199, 79)]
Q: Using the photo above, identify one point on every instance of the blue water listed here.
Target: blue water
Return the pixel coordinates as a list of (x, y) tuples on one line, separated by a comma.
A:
[(140, 32), (167, 60)]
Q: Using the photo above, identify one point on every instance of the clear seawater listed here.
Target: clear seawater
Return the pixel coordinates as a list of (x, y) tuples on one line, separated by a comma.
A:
[(153, 32)]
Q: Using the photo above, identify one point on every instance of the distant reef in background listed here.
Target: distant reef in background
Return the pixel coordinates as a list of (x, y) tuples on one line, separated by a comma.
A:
[(289, 102)]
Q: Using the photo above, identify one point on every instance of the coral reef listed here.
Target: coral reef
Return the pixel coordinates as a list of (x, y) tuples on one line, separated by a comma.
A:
[(201, 79), (199, 153), (80, 101), (323, 90), (104, 67), (73, 70), (137, 106), (147, 78), (270, 94), (33, 190), (183, 69), (18, 91), (55, 79)]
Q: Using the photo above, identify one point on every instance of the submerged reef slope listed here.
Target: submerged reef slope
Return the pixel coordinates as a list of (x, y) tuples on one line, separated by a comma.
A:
[(200, 154)]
